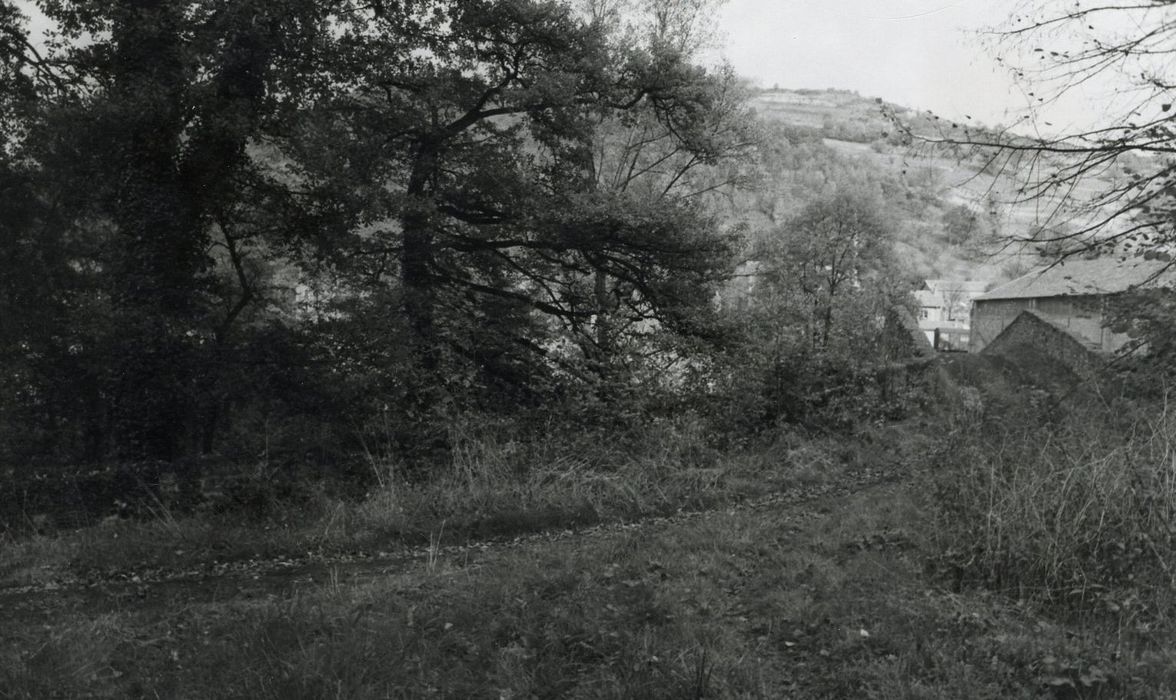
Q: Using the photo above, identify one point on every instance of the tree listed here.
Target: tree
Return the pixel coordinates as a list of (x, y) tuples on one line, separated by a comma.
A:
[(657, 165), (686, 26), (485, 118), (822, 318), (961, 225), (133, 152), (1107, 183), (833, 255), (428, 164)]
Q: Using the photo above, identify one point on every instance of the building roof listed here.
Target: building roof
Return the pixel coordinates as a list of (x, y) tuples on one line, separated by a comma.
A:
[(1108, 274), (964, 286), (928, 298)]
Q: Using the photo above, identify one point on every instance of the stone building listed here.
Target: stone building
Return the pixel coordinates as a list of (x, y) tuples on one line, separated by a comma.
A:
[(1071, 296)]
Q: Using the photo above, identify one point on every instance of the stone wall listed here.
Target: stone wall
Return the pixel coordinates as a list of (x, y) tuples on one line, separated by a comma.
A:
[(1030, 330), (1080, 316), (990, 318)]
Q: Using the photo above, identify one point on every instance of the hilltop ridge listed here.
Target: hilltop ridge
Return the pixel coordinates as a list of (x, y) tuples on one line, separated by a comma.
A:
[(955, 208)]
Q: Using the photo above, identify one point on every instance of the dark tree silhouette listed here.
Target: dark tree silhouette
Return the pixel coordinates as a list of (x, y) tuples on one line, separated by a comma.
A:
[(180, 176)]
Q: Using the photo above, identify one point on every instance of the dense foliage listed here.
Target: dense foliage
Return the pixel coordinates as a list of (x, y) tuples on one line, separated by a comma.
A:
[(307, 233), (223, 216)]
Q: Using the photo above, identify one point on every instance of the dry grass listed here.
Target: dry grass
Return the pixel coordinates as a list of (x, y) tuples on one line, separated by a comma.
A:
[(823, 601), (1079, 513), (828, 599), (494, 485)]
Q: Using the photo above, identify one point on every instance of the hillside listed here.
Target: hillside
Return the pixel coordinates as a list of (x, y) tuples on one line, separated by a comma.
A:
[(930, 189)]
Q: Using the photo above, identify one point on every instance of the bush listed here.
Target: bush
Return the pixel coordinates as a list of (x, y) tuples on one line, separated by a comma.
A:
[(1078, 512)]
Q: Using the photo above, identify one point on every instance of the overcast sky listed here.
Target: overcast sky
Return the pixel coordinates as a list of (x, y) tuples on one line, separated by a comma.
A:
[(923, 54)]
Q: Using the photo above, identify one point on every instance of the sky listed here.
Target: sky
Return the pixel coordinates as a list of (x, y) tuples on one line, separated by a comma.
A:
[(922, 54)]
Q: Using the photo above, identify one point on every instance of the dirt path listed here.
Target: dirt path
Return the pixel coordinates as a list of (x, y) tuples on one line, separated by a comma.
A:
[(284, 576)]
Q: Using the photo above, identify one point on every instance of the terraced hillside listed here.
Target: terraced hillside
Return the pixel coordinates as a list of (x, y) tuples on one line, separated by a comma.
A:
[(931, 189)]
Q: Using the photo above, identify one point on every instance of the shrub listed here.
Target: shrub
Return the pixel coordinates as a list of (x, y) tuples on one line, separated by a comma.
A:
[(1078, 512)]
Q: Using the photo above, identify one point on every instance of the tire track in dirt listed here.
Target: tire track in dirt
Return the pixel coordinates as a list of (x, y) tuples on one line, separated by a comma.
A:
[(263, 579)]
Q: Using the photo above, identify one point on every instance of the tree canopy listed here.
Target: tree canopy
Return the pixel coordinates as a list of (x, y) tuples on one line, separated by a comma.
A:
[(216, 210)]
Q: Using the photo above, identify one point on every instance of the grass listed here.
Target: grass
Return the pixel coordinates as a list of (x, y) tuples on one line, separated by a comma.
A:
[(494, 486), (889, 593), (1078, 511), (827, 600)]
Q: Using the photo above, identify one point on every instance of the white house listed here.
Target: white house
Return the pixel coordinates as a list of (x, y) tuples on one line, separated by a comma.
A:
[(944, 308)]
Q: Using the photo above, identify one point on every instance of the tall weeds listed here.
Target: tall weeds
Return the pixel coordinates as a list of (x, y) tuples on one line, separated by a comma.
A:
[(1078, 512), (510, 478)]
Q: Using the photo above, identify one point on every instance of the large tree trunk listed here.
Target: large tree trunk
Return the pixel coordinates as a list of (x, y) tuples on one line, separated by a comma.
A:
[(94, 423), (416, 260), (600, 290), (154, 292), (423, 438), (415, 276), (173, 179)]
